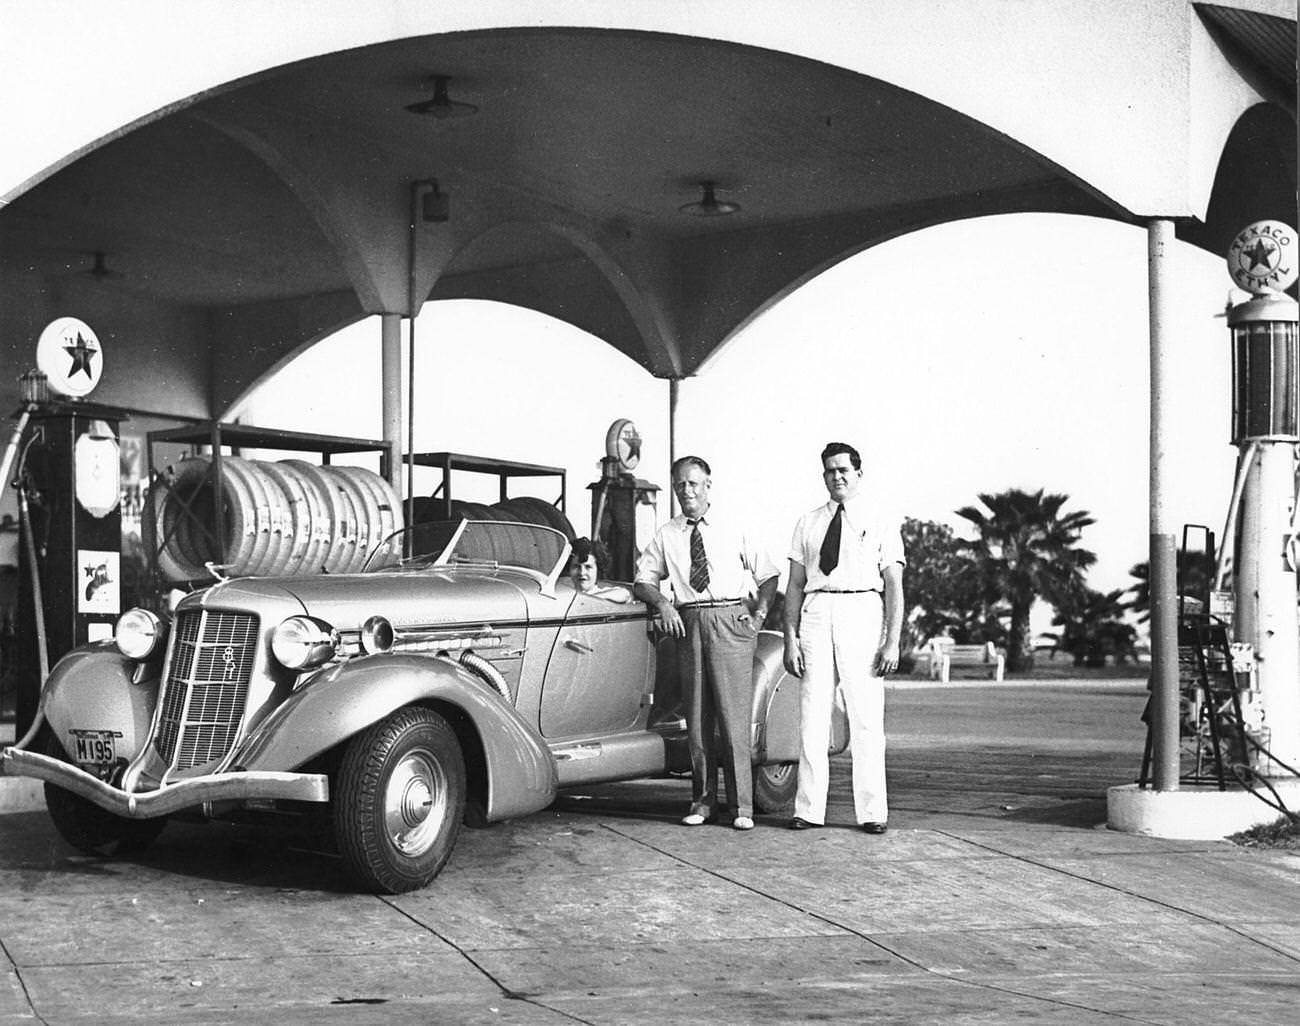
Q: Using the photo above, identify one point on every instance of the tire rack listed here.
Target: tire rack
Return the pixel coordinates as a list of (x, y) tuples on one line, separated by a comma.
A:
[(241, 436)]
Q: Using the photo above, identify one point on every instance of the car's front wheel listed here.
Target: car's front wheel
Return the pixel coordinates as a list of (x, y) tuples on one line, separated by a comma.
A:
[(775, 786), (87, 827), (399, 800)]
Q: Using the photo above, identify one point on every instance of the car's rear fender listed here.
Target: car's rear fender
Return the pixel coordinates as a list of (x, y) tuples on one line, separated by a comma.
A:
[(776, 707), (343, 700)]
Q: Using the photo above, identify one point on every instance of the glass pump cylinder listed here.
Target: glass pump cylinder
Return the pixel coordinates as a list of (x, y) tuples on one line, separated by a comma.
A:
[(1265, 370)]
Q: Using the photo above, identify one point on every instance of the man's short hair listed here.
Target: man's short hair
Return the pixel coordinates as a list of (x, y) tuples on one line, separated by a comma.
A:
[(835, 448), (691, 461)]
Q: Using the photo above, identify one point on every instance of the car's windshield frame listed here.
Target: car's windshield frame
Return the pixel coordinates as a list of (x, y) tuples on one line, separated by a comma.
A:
[(471, 533)]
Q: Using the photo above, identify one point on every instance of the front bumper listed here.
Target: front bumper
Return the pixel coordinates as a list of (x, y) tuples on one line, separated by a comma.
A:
[(184, 794)]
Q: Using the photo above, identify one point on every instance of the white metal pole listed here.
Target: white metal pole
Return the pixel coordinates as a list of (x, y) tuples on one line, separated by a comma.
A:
[(391, 388), (1163, 584)]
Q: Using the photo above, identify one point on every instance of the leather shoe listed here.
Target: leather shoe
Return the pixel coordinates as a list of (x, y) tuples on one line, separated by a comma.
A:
[(874, 828), (802, 824)]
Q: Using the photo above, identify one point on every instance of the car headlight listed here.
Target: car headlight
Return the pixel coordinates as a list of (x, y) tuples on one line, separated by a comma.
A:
[(377, 636), (301, 642), (139, 634)]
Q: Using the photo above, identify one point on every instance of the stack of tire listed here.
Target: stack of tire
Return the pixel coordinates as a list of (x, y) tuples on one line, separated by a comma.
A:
[(281, 518), (511, 546)]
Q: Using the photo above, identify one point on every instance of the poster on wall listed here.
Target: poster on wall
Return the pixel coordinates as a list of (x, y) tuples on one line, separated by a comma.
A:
[(100, 576)]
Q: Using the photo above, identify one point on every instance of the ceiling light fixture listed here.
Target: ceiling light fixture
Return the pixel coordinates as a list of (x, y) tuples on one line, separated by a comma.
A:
[(708, 205), (99, 270), (442, 106)]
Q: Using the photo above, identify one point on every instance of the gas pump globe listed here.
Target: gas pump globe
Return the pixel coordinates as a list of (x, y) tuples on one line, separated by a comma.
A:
[(1266, 430)]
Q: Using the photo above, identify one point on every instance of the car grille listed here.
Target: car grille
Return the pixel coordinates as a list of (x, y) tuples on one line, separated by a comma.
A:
[(203, 700)]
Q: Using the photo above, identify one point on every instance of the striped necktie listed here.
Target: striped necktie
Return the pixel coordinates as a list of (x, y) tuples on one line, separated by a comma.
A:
[(830, 554), (699, 561)]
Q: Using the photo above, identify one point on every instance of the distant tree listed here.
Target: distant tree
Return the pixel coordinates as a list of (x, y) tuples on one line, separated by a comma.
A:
[(1093, 628), (1028, 549), (944, 588)]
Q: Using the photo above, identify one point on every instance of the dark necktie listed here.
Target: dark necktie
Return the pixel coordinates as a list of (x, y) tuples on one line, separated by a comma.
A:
[(830, 557), (699, 562)]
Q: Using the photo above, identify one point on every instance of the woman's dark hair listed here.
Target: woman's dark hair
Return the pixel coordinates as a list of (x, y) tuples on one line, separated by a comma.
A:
[(584, 549)]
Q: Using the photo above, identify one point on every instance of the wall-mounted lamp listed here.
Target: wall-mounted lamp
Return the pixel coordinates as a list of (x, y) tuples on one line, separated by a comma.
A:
[(708, 205), (442, 106), (435, 205)]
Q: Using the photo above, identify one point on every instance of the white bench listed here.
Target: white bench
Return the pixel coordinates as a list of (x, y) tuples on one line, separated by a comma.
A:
[(944, 656)]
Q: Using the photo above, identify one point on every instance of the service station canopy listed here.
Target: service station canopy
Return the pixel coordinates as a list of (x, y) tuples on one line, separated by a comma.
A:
[(215, 187)]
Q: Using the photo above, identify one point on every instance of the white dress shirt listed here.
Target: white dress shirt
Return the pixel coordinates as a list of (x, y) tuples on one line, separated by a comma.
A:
[(867, 545), (737, 564)]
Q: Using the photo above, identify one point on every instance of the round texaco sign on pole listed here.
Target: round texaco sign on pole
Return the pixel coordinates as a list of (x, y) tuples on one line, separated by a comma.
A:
[(69, 355), (1262, 258)]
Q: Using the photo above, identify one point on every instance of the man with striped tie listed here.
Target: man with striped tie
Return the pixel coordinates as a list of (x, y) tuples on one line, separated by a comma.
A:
[(723, 583), (843, 619)]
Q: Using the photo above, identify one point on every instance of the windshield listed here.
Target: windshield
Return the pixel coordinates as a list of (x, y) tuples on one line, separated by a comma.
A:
[(541, 550)]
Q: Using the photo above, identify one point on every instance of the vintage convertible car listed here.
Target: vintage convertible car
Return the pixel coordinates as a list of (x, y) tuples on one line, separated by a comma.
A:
[(460, 677)]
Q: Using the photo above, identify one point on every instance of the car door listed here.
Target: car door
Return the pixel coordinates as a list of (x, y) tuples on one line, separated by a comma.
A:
[(598, 680)]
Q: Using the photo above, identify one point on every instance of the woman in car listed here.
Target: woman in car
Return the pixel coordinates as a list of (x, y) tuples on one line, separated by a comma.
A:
[(585, 565)]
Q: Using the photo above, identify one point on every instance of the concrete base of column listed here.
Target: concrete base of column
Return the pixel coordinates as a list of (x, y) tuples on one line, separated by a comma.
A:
[(1195, 812)]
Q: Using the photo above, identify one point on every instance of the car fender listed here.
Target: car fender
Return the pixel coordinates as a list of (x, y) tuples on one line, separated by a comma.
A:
[(344, 700), (95, 689), (776, 716)]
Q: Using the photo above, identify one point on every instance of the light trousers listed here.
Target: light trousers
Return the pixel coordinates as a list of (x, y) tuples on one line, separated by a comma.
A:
[(716, 661), (840, 635)]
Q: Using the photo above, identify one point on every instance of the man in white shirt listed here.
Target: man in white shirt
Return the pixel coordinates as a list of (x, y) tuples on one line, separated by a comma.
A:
[(843, 619), (722, 585)]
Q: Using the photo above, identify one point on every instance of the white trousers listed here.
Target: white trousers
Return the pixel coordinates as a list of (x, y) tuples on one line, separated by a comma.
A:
[(840, 635)]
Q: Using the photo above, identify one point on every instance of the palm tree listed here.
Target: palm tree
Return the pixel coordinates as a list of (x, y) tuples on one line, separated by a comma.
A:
[(1029, 550), (1092, 628)]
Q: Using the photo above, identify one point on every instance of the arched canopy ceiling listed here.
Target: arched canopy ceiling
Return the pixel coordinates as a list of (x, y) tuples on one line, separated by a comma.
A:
[(257, 214)]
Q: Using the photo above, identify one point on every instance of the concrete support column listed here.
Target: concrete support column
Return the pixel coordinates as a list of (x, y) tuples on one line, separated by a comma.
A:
[(391, 387), (1163, 546)]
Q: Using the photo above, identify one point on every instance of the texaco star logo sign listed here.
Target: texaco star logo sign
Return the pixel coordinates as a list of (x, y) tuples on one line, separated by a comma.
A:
[(69, 355), (1262, 258)]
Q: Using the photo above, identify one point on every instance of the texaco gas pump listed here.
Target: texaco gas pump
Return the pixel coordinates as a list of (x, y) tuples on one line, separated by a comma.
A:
[(64, 458), (622, 505), (1266, 430)]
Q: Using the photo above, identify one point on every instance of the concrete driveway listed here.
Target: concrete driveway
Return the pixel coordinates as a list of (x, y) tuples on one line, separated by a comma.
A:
[(993, 898)]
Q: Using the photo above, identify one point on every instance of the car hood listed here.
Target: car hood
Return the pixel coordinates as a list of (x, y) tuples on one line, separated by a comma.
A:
[(416, 598)]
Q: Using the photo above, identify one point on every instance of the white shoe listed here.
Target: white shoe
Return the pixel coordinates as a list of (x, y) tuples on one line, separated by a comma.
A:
[(743, 823), (694, 819)]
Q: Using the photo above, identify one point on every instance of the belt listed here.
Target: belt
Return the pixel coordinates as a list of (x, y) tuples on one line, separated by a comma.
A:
[(710, 604), (845, 591)]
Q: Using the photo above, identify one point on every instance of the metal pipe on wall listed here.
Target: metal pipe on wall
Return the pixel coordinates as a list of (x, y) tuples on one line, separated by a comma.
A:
[(390, 326), (1163, 579), (673, 385)]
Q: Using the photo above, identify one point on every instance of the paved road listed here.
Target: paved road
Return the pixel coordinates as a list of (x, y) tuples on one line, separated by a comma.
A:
[(993, 899)]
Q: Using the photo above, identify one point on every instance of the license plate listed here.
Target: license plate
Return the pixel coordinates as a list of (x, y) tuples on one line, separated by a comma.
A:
[(94, 746)]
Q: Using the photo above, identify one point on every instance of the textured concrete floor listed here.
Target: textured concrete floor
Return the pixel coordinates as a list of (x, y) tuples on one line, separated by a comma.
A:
[(994, 898)]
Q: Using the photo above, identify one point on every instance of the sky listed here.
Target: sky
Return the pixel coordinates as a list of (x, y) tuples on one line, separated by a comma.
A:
[(964, 359)]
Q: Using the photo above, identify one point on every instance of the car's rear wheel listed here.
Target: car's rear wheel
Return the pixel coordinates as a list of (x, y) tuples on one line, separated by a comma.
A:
[(399, 800), (775, 786), (87, 827)]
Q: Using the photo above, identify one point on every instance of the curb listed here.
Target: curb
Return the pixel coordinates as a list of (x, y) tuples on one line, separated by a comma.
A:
[(21, 794)]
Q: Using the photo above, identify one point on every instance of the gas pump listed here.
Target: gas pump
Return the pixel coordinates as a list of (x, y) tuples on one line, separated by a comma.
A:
[(622, 505), (1266, 430), (67, 474)]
